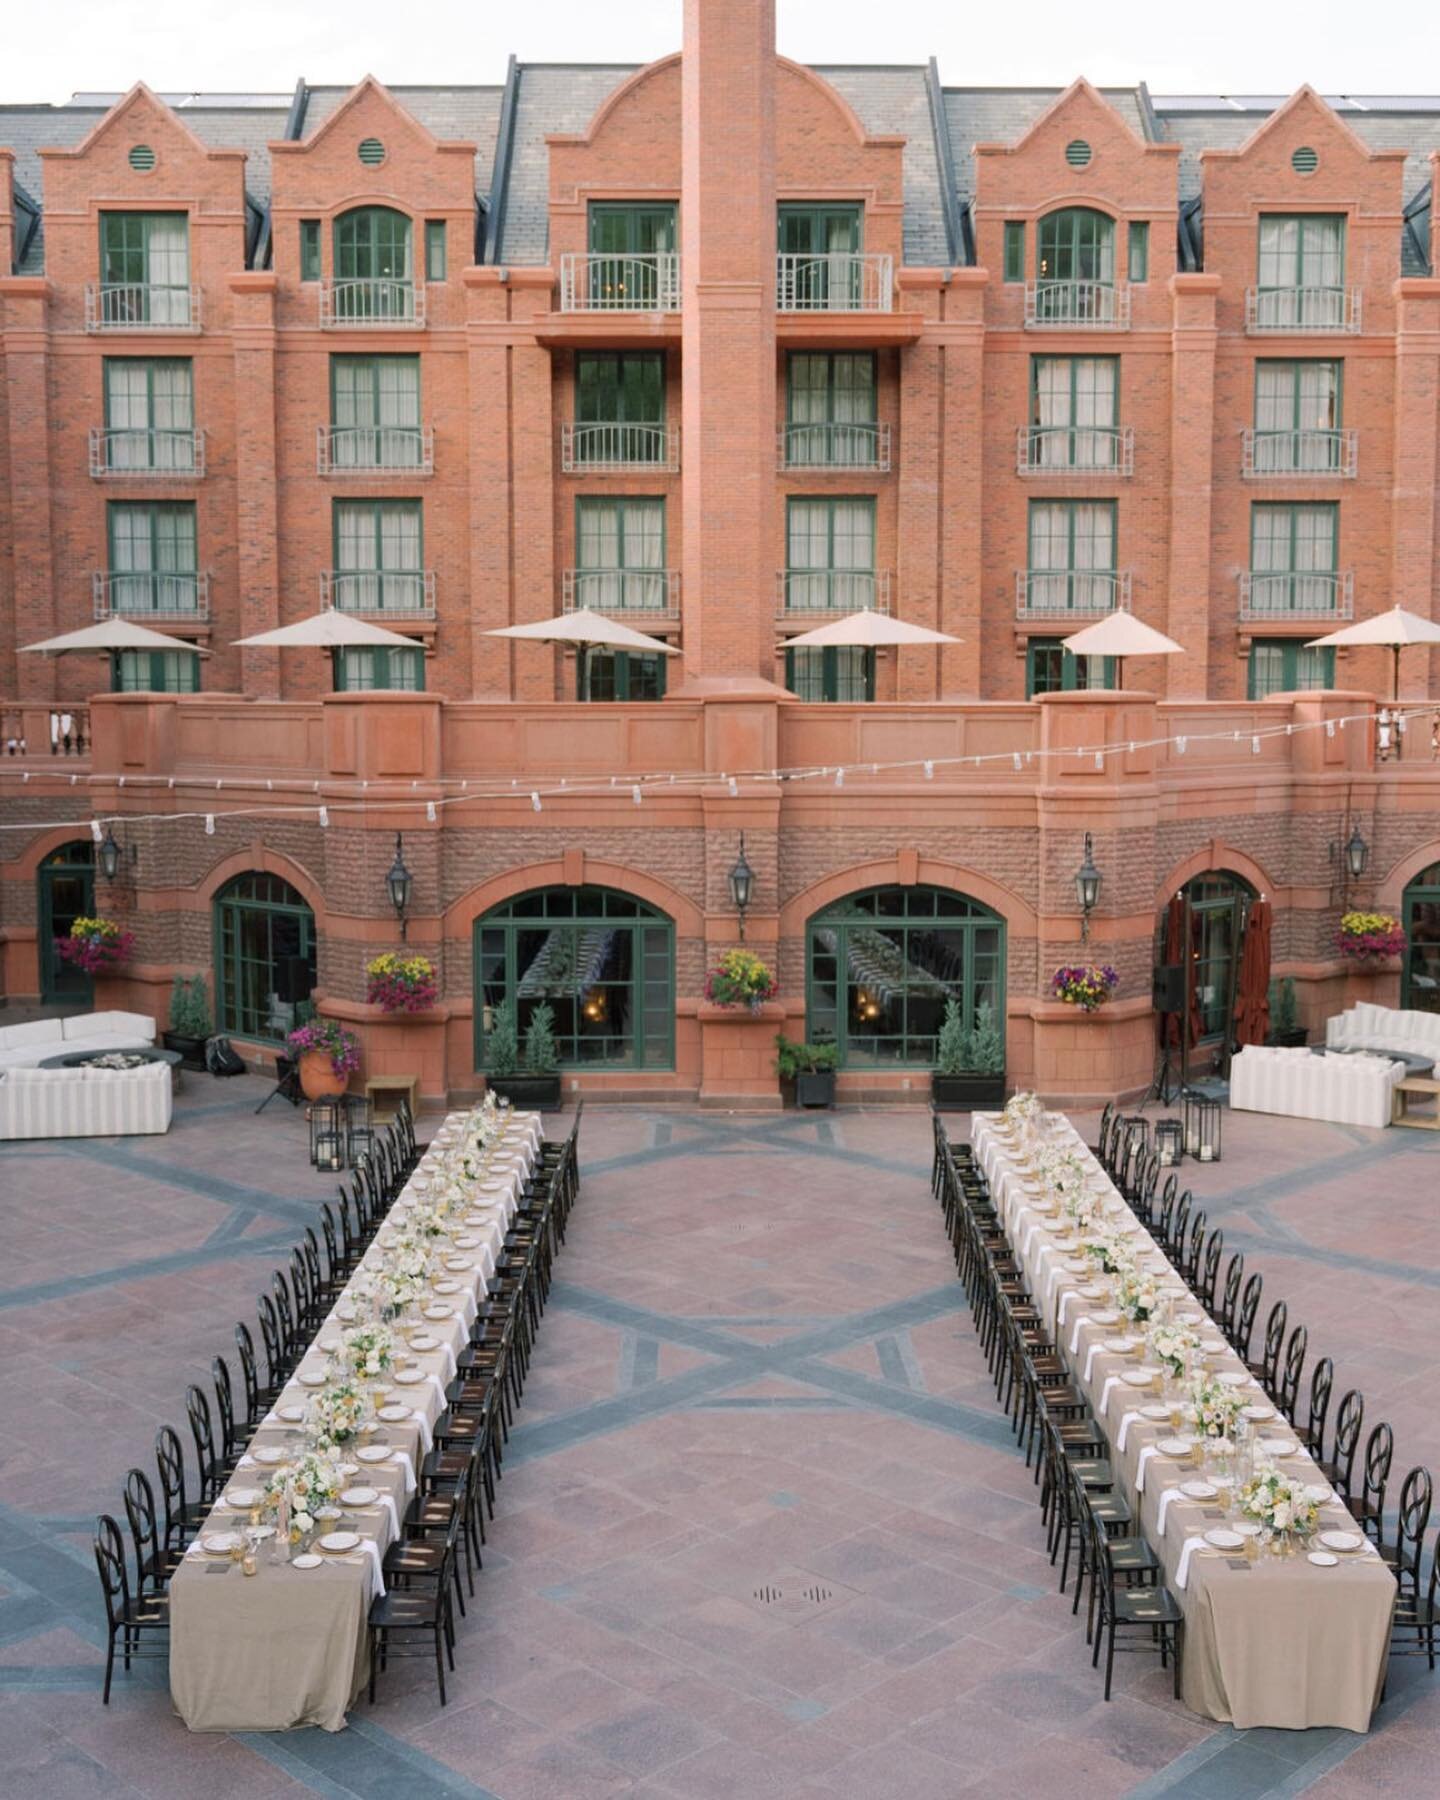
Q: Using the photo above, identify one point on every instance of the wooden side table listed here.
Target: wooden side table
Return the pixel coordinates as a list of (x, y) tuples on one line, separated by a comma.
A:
[(1400, 1113), (384, 1092)]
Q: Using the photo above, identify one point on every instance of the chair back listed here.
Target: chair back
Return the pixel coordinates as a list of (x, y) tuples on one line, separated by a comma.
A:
[(1230, 1302), (249, 1375), (1249, 1307), (225, 1406), (144, 1530), (1210, 1272), (170, 1466), (1180, 1225), (1415, 1499), (1288, 1397), (284, 1308), (1274, 1344), (1379, 1454), (1190, 1260), (1348, 1422), (271, 1335), (114, 1577), (202, 1430), (1322, 1380)]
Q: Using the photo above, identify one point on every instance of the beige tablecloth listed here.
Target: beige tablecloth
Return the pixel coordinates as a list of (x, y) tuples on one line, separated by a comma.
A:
[(288, 1647), (1275, 1642)]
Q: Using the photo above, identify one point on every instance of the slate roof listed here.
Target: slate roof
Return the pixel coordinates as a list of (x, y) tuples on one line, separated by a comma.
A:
[(549, 97), (1004, 115), (29, 129), (465, 113), (896, 100)]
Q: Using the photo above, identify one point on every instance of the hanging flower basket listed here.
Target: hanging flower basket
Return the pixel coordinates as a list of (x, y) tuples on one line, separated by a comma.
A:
[(98, 946), (401, 983), (1368, 937), (1086, 985), (740, 979)]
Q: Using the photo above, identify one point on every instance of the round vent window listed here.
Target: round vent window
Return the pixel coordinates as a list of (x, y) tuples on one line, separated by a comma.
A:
[(142, 159), (1077, 153), (372, 152), (1305, 161)]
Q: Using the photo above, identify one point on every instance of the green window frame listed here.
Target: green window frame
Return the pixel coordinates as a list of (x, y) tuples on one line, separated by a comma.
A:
[(375, 412), (435, 250), (836, 673), (603, 960), (1300, 250), (881, 965), (1294, 555), (309, 249), (830, 408), (364, 668), (620, 553), (1072, 555), (379, 548), (1287, 666), (65, 891), (1299, 410), (1013, 251), (260, 924), (1052, 669), (154, 672), (627, 241), (1420, 974), (149, 413), (810, 236), (622, 391), (152, 556), (829, 553), (806, 228), (1074, 412), (619, 675), (1137, 256), (145, 268), (374, 268), (1077, 243)]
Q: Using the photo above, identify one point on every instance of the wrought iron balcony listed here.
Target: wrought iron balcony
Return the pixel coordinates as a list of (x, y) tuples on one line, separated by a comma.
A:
[(1297, 594), (1077, 306), (834, 281), (653, 593), (1302, 309), (151, 594), (407, 592), (1299, 454), (1070, 593), (380, 303), (610, 448), (146, 454), (141, 306), (835, 446), (595, 283), (373, 449), (821, 592), (1075, 450)]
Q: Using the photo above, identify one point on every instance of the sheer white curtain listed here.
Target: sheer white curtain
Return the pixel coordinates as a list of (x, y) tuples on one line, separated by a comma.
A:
[(168, 247)]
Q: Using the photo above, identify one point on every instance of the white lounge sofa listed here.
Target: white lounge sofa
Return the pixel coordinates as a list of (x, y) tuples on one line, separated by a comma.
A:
[(1344, 1090), (26, 1046), (1367, 1027), (85, 1102)]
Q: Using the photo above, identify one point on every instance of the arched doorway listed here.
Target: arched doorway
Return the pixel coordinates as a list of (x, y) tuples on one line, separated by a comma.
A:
[(602, 960), (65, 892), (1204, 928), (264, 957), (1420, 980), (881, 964)]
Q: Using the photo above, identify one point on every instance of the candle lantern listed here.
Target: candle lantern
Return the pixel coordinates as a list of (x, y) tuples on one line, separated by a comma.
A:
[(359, 1130), (1169, 1142), (1202, 1128), (327, 1134)]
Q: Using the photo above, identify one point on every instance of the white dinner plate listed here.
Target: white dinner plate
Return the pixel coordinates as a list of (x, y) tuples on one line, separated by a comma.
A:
[(306, 1562), (1224, 1539), (1175, 1446), (360, 1496), (1249, 1529), (1198, 1490), (329, 1512), (220, 1543), (443, 1287), (493, 1187), (393, 1415), (409, 1378), (1146, 1372), (1319, 1493), (1255, 1413), (458, 1263), (1119, 1345), (439, 1312), (329, 1343), (292, 1415), (1103, 1318), (1213, 1346), (422, 1340), (340, 1541), (270, 1455), (1280, 1446), (308, 1380), (1140, 1378), (1155, 1410), (1232, 1378), (242, 1496), (1341, 1540), (1322, 1559), (375, 1453)]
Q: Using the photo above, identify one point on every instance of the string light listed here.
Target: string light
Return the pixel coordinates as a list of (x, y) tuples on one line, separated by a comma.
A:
[(635, 793), (430, 812), (535, 802), (209, 824)]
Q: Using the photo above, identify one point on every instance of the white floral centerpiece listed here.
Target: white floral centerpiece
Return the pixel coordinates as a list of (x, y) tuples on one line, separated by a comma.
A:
[(1172, 1346), (1025, 1110), (337, 1412), (1215, 1408), (1279, 1504), (368, 1351), (1137, 1294), (292, 1494), (1108, 1251)]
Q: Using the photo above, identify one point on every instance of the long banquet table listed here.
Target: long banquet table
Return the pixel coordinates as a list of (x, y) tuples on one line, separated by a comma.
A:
[(1268, 1642), (288, 1646)]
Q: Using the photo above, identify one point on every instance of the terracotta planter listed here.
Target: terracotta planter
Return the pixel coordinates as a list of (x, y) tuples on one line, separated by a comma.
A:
[(318, 1080)]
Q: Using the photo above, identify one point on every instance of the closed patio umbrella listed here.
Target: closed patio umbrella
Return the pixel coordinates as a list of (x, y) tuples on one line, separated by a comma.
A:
[(587, 630), (1252, 992), (1397, 628), (114, 633), (1121, 634)]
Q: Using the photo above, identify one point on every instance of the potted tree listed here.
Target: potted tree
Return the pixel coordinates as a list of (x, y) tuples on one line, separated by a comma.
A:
[(969, 1064), (531, 1081), (1285, 1027), (189, 1021), (811, 1067)]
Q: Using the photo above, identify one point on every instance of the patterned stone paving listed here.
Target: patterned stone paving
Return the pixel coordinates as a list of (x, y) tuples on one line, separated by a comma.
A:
[(761, 1531)]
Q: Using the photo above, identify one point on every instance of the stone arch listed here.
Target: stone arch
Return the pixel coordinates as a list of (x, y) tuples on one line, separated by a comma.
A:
[(832, 96), (619, 95), (1216, 857), (268, 862), (688, 919), (1390, 892), (27, 864), (907, 870)]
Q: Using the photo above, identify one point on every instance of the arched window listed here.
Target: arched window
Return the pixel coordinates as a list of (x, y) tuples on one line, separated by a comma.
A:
[(374, 264), (603, 961), (1075, 268), (1208, 915), (65, 892), (880, 966), (264, 957), (1420, 987)]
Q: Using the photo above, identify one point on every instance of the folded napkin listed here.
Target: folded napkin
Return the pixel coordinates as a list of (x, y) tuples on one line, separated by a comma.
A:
[(388, 1502), (435, 1382), (1065, 1299), (1171, 1493), (1111, 1383), (403, 1458), (427, 1436), (1182, 1573), (1080, 1325), (1124, 1433), (1146, 1453), (372, 1553)]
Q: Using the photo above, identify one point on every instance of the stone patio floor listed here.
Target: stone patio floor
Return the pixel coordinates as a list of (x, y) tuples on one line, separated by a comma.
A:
[(756, 1374)]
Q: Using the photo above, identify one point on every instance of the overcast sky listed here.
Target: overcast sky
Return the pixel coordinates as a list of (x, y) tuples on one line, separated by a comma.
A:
[(1226, 46)]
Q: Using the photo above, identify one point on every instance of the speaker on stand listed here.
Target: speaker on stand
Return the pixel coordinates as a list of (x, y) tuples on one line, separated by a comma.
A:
[(1167, 996)]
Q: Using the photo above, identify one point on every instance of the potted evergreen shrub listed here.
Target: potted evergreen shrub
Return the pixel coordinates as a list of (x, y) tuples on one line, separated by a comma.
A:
[(969, 1063), (531, 1081), (189, 1021), (1285, 1027), (811, 1068)]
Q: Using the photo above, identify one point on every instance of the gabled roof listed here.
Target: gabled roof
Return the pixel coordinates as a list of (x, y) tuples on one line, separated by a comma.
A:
[(1005, 115), (470, 114)]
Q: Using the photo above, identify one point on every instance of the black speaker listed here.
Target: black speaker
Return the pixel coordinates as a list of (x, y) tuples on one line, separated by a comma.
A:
[(292, 979), (1167, 987)]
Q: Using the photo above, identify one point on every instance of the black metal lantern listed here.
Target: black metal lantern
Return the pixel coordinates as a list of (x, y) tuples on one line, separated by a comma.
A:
[(110, 854), (327, 1133), (1169, 1142), (399, 882), (359, 1129), (1357, 854), (1202, 1128), (742, 883), (1087, 889)]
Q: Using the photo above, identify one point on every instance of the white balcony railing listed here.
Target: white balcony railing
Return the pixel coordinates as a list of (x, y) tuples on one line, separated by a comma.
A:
[(147, 454), (141, 306), (655, 593), (1297, 594), (381, 303), (834, 281), (601, 449), (1070, 593), (1299, 454), (595, 283), (150, 594), (1075, 450), (407, 592), (835, 446), (1077, 306), (1302, 309), (810, 592), (374, 449)]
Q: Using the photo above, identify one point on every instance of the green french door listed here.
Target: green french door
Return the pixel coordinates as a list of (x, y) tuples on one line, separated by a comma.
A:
[(1420, 981), (67, 893)]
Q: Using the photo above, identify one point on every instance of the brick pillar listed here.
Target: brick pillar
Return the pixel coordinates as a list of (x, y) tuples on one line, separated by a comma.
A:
[(7, 209), (1413, 502), (256, 510), (491, 496), (1189, 619), (915, 458), (727, 221), (536, 592), (27, 411), (979, 659)]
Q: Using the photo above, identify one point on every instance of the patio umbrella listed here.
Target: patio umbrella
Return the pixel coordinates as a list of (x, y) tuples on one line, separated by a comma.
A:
[(1252, 993), (586, 630), (112, 634), (866, 630), (1397, 628), (1121, 634), (329, 630)]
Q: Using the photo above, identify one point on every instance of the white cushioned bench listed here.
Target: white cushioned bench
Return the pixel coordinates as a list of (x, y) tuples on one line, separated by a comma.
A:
[(1344, 1090), (85, 1102), (26, 1046)]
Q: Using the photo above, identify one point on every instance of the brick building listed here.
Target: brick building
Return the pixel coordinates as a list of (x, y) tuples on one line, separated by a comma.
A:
[(724, 347)]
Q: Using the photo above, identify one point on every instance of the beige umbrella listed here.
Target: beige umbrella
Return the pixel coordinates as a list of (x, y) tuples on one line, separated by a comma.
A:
[(114, 633), (865, 630), (587, 630), (329, 630), (1397, 628), (1121, 634)]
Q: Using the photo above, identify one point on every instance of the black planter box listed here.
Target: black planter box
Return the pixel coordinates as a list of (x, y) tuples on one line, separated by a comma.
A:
[(530, 1093), (963, 1093), (816, 1089), (1294, 1039), (191, 1051)]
